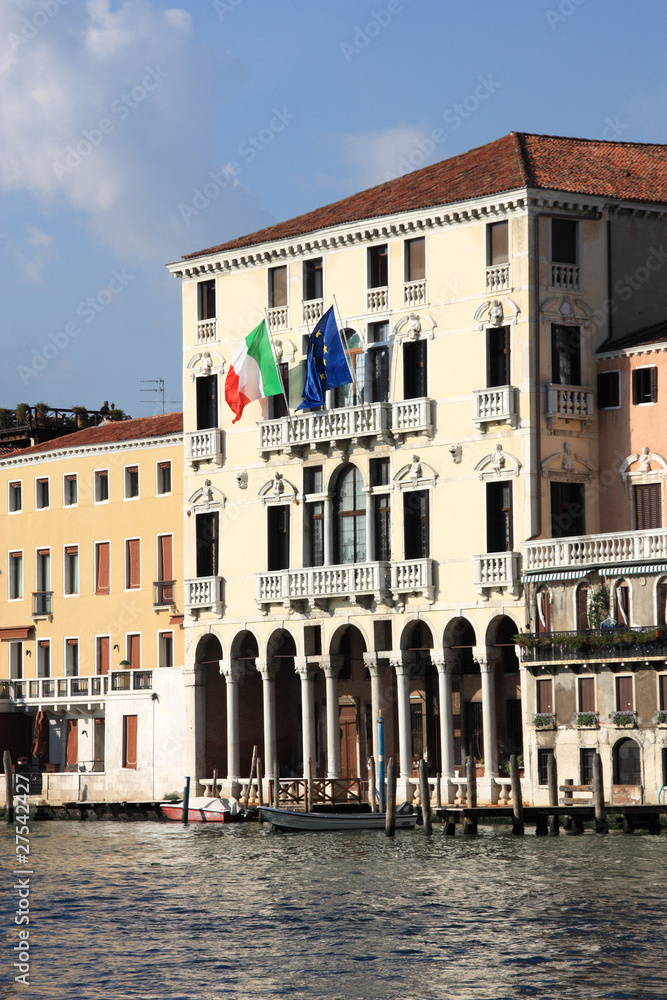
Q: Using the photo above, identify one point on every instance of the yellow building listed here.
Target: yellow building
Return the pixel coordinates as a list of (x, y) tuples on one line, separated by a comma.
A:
[(367, 557), (91, 591)]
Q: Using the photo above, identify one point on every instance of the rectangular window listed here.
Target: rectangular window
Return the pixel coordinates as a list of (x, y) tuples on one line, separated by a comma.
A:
[(130, 742), (44, 658), (131, 482), (377, 333), (15, 576), (133, 650), (41, 494), (644, 385), (582, 608), (16, 660), (543, 608), (43, 571), (102, 568), (133, 564), (543, 755), (206, 299), (102, 655), (499, 522), (165, 569), (165, 649), (564, 241), (314, 534), (414, 369), (277, 286), (625, 698), (648, 506), (312, 479), (544, 696), (498, 371), (565, 355), (586, 758), (662, 603), (312, 279), (207, 401), (415, 259), (567, 510), (379, 471), (609, 390), (416, 729), (662, 692), (379, 372), (416, 524), (278, 537), (71, 657), (382, 528), (15, 497), (277, 406), (586, 686), (497, 243), (163, 477), (71, 558), (70, 490), (622, 604), (207, 544), (378, 266), (101, 485)]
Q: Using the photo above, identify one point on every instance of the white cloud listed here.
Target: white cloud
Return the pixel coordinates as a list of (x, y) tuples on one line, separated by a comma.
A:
[(385, 154), (34, 254)]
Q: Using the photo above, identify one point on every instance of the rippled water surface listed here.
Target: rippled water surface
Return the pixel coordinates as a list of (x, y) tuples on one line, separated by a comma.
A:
[(159, 910)]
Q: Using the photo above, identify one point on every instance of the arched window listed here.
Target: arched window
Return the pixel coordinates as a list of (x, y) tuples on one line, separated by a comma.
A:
[(662, 601), (622, 603), (627, 763), (543, 602), (582, 607), (350, 517)]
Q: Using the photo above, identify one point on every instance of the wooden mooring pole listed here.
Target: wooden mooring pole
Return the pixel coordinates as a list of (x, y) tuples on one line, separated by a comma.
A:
[(309, 785), (552, 781), (425, 793), (186, 801), (276, 785), (470, 819), (390, 819), (252, 775), (518, 827), (214, 789), (260, 779), (567, 820), (601, 825), (372, 791), (9, 785)]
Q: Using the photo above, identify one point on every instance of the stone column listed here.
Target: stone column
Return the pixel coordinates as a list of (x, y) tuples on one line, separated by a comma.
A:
[(376, 670), (195, 720), (230, 671), (489, 718), (402, 669), (328, 531), (331, 665), (306, 672), (445, 669), (268, 670)]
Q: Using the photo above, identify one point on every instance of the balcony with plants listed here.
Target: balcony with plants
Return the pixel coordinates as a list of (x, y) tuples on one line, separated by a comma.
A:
[(636, 642)]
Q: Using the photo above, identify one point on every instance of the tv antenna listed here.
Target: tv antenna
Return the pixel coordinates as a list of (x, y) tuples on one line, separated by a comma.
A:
[(159, 382)]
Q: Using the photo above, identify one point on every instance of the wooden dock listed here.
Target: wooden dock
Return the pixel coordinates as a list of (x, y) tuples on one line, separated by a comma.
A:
[(547, 819)]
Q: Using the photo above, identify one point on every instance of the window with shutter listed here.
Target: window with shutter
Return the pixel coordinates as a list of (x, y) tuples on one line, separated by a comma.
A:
[(543, 607), (582, 607), (378, 266), (132, 564), (645, 385), (70, 490), (497, 244), (648, 506), (72, 743), (586, 694), (15, 576), (625, 700), (312, 279), (165, 568), (101, 485), (130, 741), (415, 259), (102, 655), (545, 696), (206, 299), (277, 286), (609, 390), (134, 651), (102, 568)]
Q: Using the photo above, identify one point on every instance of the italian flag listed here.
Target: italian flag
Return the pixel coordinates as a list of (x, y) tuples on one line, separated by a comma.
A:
[(253, 374)]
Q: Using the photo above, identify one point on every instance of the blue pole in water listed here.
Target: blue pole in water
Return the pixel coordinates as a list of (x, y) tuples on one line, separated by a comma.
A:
[(381, 780), (186, 801)]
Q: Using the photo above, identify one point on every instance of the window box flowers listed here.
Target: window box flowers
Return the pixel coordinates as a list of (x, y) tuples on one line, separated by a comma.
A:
[(586, 720), (544, 720), (624, 720)]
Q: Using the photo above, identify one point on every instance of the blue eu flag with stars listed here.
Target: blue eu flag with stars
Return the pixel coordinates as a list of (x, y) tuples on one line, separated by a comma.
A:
[(326, 364)]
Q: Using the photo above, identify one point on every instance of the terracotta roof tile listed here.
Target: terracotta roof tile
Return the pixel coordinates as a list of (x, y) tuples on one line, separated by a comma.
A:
[(114, 430), (623, 170)]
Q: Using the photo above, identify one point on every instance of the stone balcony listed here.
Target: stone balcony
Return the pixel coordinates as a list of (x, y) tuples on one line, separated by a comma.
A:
[(497, 405), (565, 276), (377, 300), (498, 278), (204, 593), (570, 402), (278, 318), (361, 583), (497, 571), (569, 558), (74, 693), (204, 446), (312, 311), (207, 331), (414, 293)]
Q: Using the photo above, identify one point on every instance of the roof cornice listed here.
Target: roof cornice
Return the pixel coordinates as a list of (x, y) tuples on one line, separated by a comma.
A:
[(628, 352), (107, 447)]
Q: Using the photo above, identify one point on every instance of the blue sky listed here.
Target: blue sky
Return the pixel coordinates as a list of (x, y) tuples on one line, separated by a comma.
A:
[(140, 130)]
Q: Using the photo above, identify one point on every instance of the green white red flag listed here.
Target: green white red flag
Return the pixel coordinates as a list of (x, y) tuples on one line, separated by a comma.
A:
[(253, 373)]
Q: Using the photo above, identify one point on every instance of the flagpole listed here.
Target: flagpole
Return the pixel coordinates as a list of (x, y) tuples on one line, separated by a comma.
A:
[(347, 348), (275, 361)]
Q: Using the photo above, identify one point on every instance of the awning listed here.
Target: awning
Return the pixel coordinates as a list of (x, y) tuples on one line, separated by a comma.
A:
[(628, 569), (556, 574), (19, 632), (177, 619)]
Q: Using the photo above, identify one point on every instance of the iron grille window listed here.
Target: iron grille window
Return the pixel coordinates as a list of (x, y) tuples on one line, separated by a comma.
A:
[(543, 755), (586, 758)]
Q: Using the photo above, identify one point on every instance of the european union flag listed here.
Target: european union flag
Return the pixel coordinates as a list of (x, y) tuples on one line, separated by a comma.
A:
[(326, 364)]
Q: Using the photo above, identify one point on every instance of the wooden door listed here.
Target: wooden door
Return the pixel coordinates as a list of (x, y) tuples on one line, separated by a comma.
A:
[(347, 718)]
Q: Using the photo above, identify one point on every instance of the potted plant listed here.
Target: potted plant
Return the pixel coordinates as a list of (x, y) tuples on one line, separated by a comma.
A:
[(624, 720), (81, 416), (598, 606), (586, 720), (40, 413), (4, 417), (544, 720), (22, 413), (661, 718)]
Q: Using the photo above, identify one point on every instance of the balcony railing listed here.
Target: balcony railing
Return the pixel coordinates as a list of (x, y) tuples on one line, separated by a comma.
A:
[(639, 642), (377, 299), (207, 331), (41, 603), (5, 690), (55, 688), (593, 550), (414, 293), (312, 310), (498, 278), (497, 571), (412, 416), (131, 680), (163, 593), (203, 593), (565, 276), (204, 446), (325, 427), (278, 318), (544, 720), (495, 406), (413, 576), (586, 720), (570, 402), (317, 584)]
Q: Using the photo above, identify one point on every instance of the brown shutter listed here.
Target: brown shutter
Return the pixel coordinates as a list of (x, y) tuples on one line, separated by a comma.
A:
[(582, 612), (103, 654), (416, 259), (133, 468), (164, 465), (134, 651), (133, 563), (72, 742), (166, 565), (586, 694), (44, 643), (648, 506), (71, 477), (130, 741), (625, 701), (544, 696), (498, 242), (102, 569), (71, 550), (662, 680), (43, 552)]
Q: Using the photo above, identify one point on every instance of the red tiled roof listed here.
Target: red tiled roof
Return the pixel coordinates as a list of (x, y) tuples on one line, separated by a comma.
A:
[(114, 430), (621, 170)]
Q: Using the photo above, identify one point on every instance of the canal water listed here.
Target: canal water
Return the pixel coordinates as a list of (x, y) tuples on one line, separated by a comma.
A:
[(152, 910)]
